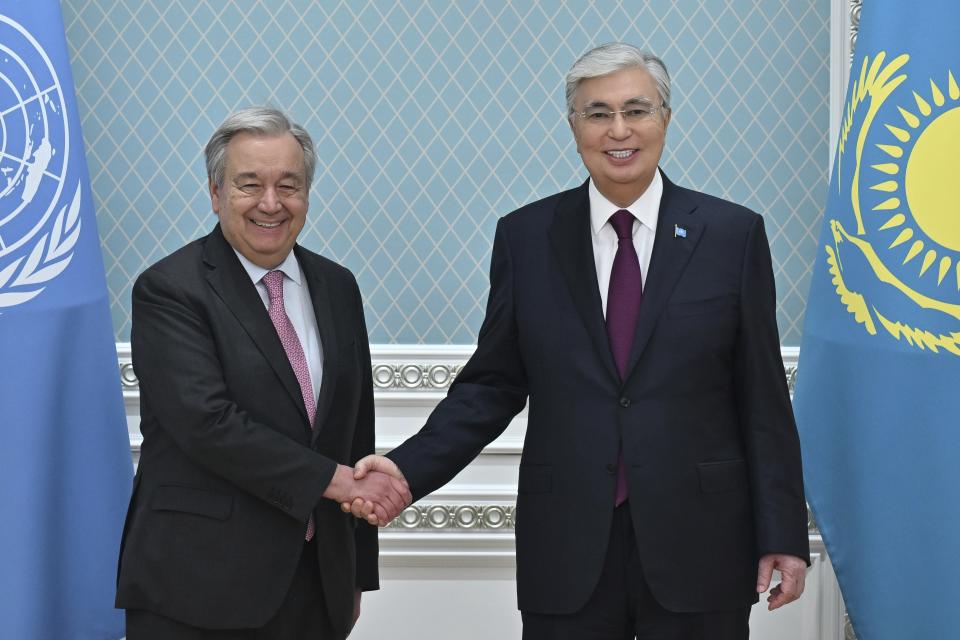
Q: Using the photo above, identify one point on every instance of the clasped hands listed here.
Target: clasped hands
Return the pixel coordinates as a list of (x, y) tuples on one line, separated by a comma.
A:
[(375, 490)]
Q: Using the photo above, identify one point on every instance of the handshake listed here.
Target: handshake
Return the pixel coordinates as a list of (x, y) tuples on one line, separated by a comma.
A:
[(374, 490)]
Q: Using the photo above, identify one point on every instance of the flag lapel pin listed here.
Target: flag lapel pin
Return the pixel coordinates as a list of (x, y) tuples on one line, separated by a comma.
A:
[(679, 232)]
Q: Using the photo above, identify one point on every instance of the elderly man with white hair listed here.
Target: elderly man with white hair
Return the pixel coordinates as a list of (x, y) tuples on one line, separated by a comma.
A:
[(660, 482), (256, 397)]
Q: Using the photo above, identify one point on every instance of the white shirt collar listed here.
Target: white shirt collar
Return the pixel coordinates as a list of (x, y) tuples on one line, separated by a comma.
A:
[(646, 208), (290, 267)]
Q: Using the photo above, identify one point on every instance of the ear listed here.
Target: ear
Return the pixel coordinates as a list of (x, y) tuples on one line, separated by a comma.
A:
[(214, 196), (667, 113), (573, 130)]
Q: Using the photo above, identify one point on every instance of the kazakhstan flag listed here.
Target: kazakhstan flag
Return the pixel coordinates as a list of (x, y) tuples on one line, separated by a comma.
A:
[(877, 397)]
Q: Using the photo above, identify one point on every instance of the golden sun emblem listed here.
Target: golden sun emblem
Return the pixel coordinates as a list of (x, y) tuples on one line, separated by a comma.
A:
[(905, 200)]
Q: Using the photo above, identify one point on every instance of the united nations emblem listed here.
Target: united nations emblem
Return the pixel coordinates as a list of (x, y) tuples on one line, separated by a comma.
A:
[(894, 259), (39, 213)]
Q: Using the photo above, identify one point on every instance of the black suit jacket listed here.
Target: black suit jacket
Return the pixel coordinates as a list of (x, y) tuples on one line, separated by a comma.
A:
[(229, 469), (704, 414)]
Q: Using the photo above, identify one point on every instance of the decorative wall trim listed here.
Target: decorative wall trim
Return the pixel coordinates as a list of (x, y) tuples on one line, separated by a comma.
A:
[(410, 376), (844, 23), (487, 517), (466, 517), (413, 368), (434, 548), (855, 8), (848, 632)]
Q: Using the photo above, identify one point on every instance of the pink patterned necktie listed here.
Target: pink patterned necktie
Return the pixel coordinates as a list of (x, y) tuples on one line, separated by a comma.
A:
[(623, 308), (294, 350)]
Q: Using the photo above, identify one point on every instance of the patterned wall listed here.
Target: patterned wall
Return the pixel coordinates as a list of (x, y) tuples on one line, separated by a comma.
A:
[(432, 120)]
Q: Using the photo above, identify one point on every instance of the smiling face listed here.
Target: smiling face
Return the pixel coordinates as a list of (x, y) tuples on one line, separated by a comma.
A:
[(620, 156), (263, 201)]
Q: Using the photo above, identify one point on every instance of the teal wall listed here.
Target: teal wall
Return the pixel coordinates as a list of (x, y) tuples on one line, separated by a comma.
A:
[(432, 120)]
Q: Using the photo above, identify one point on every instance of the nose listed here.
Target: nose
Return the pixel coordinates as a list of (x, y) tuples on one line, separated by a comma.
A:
[(618, 128), (269, 201)]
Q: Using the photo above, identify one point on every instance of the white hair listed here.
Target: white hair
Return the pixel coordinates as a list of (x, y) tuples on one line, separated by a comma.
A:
[(610, 58), (260, 121)]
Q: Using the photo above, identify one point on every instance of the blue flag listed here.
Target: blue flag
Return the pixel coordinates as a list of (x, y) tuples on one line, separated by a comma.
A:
[(877, 398), (65, 468)]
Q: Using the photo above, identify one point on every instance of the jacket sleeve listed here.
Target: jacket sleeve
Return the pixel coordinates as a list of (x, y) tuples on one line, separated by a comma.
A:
[(485, 396), (766, 415), (364, 442)]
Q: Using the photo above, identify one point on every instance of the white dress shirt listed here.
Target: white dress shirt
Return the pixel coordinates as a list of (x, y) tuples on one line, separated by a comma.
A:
[(645, 210), (299, 308)]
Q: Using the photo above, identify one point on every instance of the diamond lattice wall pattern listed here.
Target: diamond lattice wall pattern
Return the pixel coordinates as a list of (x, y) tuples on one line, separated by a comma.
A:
[(433, 119)]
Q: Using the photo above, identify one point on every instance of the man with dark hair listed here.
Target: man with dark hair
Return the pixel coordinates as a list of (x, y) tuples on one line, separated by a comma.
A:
[(255, 397)]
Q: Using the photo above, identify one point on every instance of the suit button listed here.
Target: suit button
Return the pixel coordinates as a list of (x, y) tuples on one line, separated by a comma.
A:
[(624, 402), (611, 469)]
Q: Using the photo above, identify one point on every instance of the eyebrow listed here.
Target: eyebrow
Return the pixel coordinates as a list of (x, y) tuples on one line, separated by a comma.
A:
[(639, 100), (636, 100), (252, 175)]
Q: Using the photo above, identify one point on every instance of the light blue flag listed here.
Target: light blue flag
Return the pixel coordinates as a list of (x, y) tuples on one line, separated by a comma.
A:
[(877, 399), (65, 469)]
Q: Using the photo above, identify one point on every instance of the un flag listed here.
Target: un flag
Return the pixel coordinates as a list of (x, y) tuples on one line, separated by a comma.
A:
[(876, 399), (65, 469)]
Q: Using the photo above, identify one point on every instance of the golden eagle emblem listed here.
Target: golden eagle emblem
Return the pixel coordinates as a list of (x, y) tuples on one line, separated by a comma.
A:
[(896, 261)]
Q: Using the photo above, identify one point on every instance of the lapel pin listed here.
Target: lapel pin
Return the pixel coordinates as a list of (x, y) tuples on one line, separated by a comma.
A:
[(679, 232)]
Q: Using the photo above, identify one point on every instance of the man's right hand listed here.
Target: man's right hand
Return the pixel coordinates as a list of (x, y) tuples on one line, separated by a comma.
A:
[(370, 466), (382, 495)]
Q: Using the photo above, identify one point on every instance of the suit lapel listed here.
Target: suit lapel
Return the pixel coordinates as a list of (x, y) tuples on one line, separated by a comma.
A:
[(570, 236), (672, 249), (323, 310), (232, 284)]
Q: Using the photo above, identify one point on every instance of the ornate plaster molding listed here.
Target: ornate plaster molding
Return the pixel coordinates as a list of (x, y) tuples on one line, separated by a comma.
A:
[(848, 632), (470, 517), (855, 7), (413, 368), (480, 517), (410, 376)]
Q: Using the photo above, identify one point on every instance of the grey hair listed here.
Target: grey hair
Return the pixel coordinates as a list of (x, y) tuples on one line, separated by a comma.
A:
[(265, 121), (610, 58)]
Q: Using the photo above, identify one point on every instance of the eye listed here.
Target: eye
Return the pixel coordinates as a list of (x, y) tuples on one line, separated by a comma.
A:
[(249, 187), (287, 189), (599, 116), (637, 112)]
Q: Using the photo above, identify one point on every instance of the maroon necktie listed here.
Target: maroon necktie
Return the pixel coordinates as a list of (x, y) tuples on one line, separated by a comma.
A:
[(294, 350), (623, 308)]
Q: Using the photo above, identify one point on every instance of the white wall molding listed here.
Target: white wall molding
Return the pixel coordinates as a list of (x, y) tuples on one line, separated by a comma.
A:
[(408, 380), (402, 374), (456, 546)]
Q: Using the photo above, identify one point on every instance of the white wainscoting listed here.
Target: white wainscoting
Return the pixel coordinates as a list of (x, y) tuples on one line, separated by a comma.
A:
[(447, 564)]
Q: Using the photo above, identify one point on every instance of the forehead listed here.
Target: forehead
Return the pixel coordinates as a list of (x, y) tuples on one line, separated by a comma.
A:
[(617, 87), (251, 152)]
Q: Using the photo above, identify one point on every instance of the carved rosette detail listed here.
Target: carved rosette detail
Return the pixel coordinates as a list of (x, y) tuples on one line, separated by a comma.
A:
[(401, 376), (791, 373), (414, 376), (128, 377), (466, 517), (503, 517), (848, 633)]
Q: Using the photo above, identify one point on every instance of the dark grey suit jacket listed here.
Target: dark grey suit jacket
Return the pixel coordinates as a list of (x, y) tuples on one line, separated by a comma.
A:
[(229, 469)]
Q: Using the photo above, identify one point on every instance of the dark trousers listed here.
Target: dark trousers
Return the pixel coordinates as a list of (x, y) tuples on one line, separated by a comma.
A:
[(302, 614), (623, 608)]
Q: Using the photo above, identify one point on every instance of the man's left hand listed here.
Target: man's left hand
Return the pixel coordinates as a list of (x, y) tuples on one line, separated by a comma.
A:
[(793, 573)]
